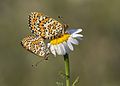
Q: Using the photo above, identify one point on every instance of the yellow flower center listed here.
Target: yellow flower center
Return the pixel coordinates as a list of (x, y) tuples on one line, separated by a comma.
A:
[(60, 39)]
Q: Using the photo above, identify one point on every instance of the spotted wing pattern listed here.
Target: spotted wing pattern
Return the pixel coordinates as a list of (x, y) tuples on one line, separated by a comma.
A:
[(36, 45), (44, 26)]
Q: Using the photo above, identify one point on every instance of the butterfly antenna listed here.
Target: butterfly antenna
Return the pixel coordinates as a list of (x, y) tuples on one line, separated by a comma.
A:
[(64, 24)]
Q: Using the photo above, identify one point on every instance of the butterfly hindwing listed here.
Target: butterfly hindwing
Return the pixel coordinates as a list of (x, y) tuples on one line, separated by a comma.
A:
[(44, 26), (35, 45)]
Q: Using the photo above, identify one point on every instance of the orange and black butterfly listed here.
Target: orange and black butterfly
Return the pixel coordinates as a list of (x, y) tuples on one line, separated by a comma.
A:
[(43, 27)]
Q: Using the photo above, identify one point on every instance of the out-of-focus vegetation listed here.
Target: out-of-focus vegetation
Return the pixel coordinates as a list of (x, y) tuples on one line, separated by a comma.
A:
[(96, 60)]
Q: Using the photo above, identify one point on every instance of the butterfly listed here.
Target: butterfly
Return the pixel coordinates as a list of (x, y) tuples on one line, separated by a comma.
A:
[(42, 27)]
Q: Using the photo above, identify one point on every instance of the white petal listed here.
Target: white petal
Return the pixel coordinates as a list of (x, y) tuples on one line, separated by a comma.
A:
[(58, 49), (66, 47), (74, 41), (79, 38), (55, 47), (76, 35), (71, 31), (78, 31), (69, 45), (52, 48), (63, 49)]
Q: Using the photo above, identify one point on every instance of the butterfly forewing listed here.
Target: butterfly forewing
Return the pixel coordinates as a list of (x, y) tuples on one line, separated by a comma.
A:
[(44, 26), (36, 45)]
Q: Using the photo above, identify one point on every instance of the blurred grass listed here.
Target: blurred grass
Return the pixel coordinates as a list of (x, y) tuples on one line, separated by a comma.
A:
[(95, 60)]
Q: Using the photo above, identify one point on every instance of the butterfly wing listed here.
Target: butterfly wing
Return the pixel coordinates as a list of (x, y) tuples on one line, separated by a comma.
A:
[(45, 26), (35, 45)]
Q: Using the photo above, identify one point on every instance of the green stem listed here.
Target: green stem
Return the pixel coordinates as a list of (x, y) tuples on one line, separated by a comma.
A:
[(67, 69)]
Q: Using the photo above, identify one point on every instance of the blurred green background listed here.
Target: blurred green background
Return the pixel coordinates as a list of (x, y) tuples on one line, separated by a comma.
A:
[(96, 60)]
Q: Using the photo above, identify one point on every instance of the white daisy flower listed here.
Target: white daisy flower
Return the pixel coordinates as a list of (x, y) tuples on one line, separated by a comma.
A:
[(64, 44)]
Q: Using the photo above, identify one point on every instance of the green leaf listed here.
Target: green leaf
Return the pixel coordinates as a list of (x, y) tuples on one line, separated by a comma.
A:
[(75, 81)]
